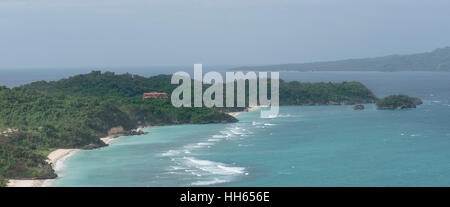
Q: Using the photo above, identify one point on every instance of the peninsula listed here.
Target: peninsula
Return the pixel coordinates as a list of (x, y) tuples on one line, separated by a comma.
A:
[(73, 113)]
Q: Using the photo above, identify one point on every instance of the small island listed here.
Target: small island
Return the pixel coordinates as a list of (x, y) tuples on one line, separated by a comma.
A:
[(398, 102)]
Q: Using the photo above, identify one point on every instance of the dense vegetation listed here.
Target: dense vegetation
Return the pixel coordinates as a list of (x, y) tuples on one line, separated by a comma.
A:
[(296, 93), (437, 60), (398, 102), (107, 84), (74, 112)]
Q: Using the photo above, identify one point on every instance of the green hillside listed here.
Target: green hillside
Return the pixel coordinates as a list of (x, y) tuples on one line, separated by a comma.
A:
[(74, 112)]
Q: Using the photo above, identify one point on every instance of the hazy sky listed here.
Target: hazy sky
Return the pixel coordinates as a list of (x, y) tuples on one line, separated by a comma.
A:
[(92, 33)]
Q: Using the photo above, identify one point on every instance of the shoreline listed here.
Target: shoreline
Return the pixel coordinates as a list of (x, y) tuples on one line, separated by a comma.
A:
[(253, 108), (57, 157)]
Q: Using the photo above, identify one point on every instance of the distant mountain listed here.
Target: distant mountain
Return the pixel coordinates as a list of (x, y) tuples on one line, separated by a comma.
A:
[(437, 60)]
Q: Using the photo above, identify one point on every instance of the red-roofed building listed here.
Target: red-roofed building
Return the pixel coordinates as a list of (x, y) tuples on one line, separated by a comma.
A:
[(155, 95)]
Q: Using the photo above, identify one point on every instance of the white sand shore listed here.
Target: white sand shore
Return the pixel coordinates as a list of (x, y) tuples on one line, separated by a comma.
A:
[(54, 158), (58, 156), (25, 183), (108, 139), (248, 109)]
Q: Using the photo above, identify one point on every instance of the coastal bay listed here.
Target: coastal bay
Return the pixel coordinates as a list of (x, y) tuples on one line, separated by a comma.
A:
[(55, 158), (231, 170), (304, 146), (58, 156)]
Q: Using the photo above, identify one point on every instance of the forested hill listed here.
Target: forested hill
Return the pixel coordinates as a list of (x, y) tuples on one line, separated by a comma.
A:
[(109, 84), (345, 93), (436, 60), (97, 83), (74, 112)]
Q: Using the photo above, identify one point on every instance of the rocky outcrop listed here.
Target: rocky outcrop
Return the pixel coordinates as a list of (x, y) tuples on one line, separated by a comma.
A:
[(398, 102), (94, 146), (358, 107), (136, 132), (120, 131), (116, 131)]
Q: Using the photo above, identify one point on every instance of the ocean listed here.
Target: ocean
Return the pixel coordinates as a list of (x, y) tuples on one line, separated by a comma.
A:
[(303, 146)]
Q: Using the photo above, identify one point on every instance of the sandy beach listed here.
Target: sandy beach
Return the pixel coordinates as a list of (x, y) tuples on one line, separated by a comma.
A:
[(108, 139), (54, 158), (57, 157)]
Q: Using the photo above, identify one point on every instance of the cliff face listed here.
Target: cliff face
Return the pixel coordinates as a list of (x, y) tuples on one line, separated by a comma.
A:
[(398, 102)]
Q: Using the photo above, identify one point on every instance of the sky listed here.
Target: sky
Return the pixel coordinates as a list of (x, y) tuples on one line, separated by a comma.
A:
[(116, 33)]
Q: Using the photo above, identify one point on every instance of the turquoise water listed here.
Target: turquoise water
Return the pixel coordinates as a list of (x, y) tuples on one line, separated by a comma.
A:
[(303, 146)]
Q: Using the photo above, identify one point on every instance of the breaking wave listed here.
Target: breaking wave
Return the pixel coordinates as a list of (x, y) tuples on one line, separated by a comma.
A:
[(207, 172)]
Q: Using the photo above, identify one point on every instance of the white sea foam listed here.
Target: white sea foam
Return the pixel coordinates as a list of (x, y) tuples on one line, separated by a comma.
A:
[(199, 162), (212, 167), (232, 170), (256, 123), (287, 115), (237, 131), (59, 167), (193, 172), (205, 144), (192, 146), (207, 172), (60, 164), (213, 140), (177, 168), (225, 134), (171, 153), (210, 182)]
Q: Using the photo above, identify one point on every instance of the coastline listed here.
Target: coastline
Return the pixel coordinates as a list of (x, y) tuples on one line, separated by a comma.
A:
[(253, 108), (108, 139), (57, 157)]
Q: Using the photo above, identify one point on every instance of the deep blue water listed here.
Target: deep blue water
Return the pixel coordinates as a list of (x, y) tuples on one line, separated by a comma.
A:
[(304, 146)]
